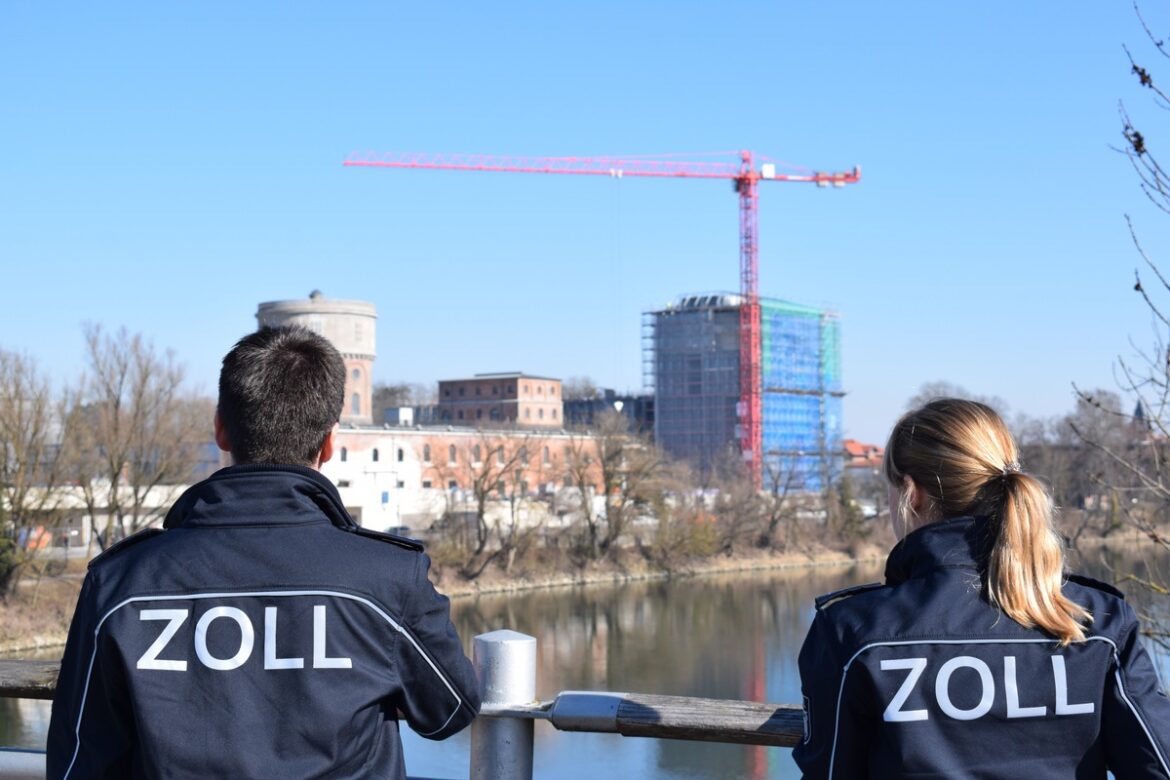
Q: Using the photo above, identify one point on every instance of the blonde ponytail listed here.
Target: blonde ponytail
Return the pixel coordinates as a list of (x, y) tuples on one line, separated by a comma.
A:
[(1026, 566), (962, 456)]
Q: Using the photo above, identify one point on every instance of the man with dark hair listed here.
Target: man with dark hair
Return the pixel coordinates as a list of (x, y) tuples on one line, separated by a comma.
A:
[(263, 633)]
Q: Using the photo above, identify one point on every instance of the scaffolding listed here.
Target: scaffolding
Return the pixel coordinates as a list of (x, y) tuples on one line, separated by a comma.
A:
[(691, 364)]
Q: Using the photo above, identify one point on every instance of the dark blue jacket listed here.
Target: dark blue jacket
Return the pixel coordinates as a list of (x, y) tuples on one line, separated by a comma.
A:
[(262, 634), (923, 678)]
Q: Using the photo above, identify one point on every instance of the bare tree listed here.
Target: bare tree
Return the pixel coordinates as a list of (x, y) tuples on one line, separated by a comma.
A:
[(737, 507), (495, 473), (624, 468), (686, 528), (396, 394), (579, 388), (140, 432), (1137, 450), (931, 391), (33, 440), (778, 507)]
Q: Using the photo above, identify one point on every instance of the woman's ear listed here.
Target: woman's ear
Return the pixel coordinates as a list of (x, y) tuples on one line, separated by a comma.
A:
[(913, 497)]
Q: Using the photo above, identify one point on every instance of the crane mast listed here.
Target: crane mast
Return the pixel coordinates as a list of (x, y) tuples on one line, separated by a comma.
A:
[(746, 177)]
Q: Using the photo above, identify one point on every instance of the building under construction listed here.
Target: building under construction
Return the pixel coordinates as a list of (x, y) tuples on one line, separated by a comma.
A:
[(691, 353)]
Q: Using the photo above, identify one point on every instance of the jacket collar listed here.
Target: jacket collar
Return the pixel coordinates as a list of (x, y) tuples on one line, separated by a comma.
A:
[(260, 494), (962, 542)]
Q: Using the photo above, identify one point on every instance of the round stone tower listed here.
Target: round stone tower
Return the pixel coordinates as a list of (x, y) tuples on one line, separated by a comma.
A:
[(350, 326)]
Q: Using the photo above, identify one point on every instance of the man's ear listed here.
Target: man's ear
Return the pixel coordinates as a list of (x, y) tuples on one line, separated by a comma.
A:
[(327, 446), (221, 437)]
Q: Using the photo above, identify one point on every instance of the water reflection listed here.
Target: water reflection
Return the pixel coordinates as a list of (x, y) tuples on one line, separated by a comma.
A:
[(735, 637), (727, 638), (23, 722)]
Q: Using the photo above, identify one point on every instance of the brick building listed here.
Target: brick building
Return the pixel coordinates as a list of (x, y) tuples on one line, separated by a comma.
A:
[(511, 397)]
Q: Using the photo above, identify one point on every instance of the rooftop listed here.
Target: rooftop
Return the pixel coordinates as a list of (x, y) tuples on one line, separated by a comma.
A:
[(503, 375), (729, 301)]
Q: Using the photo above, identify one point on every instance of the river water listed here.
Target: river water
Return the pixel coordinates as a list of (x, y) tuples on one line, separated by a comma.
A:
[(731, 637)]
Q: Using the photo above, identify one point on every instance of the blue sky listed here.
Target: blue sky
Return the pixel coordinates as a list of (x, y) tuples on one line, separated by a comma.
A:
[(168, 166)]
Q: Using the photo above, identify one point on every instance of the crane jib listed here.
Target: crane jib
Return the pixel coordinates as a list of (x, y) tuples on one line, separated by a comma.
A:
[(746, 177)]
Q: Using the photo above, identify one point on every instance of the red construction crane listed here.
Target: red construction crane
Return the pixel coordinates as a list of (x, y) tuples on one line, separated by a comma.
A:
[(746, 177)]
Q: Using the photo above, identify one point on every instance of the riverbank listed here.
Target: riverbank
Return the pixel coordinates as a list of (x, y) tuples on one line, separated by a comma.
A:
[(37, 616), (609, 573)]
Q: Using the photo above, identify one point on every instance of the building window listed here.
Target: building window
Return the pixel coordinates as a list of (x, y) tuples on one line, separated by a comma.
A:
[(357, 375), (446, 392), (426, 483), (554, 414), (494, 414), (451, 453), (459, 414), (524, 455), (500, 455), (461, 392), (540, 414), (344, 454), (426, 453), (495, 389), (375, 454), (540, 389), (547, 456), (342, 483), (355, 404), (479, 414), (511, 388), (400, 484), (501, 488), (569, 480), (527, 414), (552, 389), (477, 389), (525, 390), (475, 453), (452, 484), (401, 455)]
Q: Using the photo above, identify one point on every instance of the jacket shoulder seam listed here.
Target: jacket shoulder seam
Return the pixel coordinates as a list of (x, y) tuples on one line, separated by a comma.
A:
[(125, 544), (1089, 582), (828, 599), (399, 541)]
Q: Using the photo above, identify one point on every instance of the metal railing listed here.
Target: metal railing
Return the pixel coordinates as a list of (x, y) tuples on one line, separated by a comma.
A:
[(502, 736)]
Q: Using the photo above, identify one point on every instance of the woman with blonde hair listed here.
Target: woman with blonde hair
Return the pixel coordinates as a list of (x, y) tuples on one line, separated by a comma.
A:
[(979, 657)]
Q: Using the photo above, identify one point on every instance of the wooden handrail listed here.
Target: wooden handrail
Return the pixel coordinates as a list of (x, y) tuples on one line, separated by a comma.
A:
[(665, 717), (628, 714), (28, 679)]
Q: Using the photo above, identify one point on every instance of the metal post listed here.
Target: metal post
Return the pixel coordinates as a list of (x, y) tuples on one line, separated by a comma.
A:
[(501, 747)]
